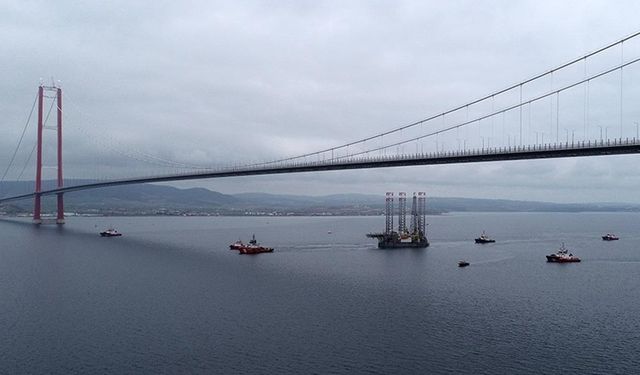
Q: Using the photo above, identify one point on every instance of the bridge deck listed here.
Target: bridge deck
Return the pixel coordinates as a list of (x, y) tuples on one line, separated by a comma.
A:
[(564, 150)]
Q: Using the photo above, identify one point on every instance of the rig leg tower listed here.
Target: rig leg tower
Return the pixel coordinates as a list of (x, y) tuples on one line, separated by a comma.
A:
[(402, 213), (388, 214)]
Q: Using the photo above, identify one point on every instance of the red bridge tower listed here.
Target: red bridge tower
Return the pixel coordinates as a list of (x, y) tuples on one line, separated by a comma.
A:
[(37, 219)]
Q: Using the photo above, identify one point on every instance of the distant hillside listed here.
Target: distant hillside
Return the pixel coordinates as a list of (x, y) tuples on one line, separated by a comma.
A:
[(148, 199), (150, 196), (503, 205), (140, 199), (297, 200)]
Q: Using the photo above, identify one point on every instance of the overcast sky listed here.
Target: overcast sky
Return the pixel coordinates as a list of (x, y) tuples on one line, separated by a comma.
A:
[(212, 83)]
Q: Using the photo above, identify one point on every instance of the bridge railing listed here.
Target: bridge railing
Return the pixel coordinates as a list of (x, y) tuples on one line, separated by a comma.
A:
[(503, 150), (351, 161)]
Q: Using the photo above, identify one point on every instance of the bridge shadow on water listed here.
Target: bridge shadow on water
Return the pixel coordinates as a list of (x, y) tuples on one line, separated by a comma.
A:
[(131, 244)]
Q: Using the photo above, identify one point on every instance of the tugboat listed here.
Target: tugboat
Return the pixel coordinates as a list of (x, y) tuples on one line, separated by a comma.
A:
[(562, 256), (463, 263), (484, 239), (110, 233), (253, 247), (610, 237), (236, 245)]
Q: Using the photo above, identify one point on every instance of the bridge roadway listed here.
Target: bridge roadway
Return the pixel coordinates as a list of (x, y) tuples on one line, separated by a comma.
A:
[(562, 150)]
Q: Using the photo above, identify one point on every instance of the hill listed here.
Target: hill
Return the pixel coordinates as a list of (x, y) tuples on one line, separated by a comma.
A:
[(148, 199)]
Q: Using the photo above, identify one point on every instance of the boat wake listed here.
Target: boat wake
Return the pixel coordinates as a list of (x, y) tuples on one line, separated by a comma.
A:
[(325, 247), (496, 260)]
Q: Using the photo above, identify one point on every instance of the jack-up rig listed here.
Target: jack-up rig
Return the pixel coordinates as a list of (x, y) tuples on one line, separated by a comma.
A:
[(416, 236)]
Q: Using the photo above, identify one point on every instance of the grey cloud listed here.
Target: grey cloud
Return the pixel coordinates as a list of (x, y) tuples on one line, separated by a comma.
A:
[(204, 82)]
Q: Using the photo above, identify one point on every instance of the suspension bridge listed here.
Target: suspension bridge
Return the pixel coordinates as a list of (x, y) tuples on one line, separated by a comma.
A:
[(586, 95)]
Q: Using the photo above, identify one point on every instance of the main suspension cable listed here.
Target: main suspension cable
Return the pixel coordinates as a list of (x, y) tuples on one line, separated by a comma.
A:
[(489, 96), (24, 130), (502, 111)]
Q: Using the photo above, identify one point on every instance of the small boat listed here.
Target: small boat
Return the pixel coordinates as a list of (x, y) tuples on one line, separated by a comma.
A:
[(110, 233), (484, 239), (236, 245), (463, 263), (253, 247), (562, 256), (610, 237)]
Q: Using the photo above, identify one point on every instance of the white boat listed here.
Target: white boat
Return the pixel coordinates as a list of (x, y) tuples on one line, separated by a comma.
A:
[(110, 233)]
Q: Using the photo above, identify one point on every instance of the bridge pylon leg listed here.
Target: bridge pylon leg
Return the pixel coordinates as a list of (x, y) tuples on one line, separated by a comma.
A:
[(37, 219), (60, 216), (36, 204)]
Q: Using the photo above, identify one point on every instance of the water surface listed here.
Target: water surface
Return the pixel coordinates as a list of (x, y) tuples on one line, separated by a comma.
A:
[(169, 297)]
